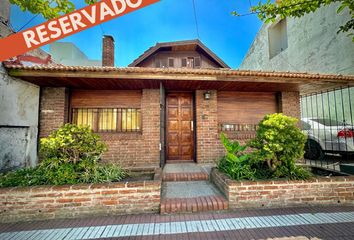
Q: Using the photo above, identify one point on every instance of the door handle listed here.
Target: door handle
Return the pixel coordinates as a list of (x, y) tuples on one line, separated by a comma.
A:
[(192, 128)]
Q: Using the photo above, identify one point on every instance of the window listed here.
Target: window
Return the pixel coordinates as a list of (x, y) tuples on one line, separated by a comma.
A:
[(108, 119), (278, 39), (329, 122), (305, 125), (191, 62), (171, 62), (184, 62), (161, 63), (197, 62), (84, 117)]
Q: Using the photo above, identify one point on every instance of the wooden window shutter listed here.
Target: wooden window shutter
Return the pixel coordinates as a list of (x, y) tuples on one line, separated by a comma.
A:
[(163, 63), (171, 62), (184, 62), (197, 62), (157, 63)]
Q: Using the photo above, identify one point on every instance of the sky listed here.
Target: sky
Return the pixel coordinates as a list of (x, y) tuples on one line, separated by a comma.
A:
[(168, 20)]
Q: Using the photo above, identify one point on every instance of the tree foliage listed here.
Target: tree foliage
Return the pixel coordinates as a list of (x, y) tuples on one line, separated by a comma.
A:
[(48, 8), (270, 11)]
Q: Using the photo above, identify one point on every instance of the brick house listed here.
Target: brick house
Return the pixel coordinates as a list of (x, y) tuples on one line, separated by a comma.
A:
[(170, 104)]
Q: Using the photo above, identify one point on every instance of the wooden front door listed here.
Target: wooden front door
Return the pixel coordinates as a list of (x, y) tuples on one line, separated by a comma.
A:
[(179, 118)]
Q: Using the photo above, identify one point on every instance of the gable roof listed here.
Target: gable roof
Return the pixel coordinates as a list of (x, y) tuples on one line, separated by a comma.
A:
[(198, 45)]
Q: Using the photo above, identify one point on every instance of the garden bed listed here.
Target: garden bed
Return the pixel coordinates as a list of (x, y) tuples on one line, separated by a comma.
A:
[(280, 193), (71, 201)]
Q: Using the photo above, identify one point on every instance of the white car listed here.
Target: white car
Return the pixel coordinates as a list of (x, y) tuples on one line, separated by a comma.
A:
[(327, 136)]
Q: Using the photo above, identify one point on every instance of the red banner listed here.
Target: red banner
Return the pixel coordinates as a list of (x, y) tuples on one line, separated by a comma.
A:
[(66, 25)]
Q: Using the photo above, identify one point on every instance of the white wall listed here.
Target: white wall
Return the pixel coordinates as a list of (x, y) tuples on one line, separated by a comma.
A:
[(69, 54), (313, 45), (19, 102)]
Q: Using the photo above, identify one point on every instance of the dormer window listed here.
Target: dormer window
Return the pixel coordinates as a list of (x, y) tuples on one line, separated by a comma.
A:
[(191, 62), (175, 62), (161, 63), (171, 62)]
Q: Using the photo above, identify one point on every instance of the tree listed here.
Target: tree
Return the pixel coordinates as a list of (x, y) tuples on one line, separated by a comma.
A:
[(297, 8), (48, 8)]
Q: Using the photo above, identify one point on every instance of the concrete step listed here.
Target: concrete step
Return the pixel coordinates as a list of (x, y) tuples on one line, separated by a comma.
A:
[(177, 177), (185, 172), (191, 196), (196, 204)]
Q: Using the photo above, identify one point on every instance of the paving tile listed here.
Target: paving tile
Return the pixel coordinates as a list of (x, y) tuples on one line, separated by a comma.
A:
[(323, 223)]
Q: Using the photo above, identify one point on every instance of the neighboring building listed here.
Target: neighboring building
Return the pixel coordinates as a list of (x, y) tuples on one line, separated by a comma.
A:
[(68, 54), (306, 44), (163, 110), (19, 106)]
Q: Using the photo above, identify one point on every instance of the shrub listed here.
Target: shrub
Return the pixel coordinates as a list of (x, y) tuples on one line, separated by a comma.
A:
[(71, 143), (277, 146), (235, 163), (69, 155), (279, 142)]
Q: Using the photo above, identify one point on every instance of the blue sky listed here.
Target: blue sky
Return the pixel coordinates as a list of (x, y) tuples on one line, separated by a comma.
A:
[(168, 20)]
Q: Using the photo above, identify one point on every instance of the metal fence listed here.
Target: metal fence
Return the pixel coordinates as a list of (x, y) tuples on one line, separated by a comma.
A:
[(327, 118)]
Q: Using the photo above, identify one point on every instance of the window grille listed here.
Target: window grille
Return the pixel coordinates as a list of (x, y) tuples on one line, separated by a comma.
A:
[(108, 119)]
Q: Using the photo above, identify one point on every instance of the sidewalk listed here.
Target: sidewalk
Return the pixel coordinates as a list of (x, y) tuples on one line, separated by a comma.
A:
[(286, 223)]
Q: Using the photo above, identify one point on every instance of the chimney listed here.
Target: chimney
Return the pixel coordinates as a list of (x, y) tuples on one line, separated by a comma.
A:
[(108, 51)]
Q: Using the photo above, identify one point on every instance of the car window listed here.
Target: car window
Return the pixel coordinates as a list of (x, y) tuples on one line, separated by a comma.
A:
[(305, 126), (329, 122)]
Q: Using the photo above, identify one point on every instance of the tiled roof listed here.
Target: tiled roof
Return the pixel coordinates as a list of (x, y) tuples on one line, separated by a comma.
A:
[(212, 72)]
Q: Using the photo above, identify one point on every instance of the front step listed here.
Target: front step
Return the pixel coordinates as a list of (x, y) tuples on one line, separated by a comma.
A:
[(196, 204), (177, 177), (191, 196)]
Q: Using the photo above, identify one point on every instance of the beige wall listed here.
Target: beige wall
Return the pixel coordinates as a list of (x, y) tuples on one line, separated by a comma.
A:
[(313, 45)]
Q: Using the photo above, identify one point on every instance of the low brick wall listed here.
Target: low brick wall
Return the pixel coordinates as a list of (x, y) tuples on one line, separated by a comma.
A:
[(70, 201), (278, 193)]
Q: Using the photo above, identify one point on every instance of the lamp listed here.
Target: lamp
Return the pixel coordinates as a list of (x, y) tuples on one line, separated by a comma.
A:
[(207, 95)]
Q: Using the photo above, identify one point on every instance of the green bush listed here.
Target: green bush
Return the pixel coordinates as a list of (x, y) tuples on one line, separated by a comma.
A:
[(70, 155), (279, 142), (235, 163), (70, 144), (277, 146)]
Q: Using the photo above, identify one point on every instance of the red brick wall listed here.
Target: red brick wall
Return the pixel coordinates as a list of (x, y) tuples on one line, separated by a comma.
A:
[(108, 51), (206, 127), (131, 150), (53, 109), (52, 202), (138, 150), (290, 104), (141, 150), (278, 193), (209, 147)]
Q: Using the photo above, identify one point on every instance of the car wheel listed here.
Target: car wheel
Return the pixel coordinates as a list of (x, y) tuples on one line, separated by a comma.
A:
[(313, 150)]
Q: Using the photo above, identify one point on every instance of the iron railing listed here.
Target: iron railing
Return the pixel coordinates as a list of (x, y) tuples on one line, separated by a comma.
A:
[(327, 118), (108, 119)]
